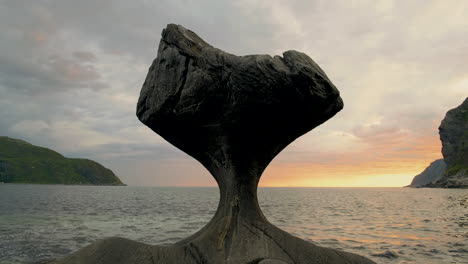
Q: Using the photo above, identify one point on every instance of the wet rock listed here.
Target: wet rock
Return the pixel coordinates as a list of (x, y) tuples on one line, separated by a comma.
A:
[(271, 261), (388, 254), (233, 114), (46, 261)]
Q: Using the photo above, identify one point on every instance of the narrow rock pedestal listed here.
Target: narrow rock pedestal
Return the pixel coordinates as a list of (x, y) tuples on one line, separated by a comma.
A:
[(234, 114)]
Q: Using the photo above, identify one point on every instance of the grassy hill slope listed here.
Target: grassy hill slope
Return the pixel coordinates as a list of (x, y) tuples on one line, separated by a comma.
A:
[(22, 162)]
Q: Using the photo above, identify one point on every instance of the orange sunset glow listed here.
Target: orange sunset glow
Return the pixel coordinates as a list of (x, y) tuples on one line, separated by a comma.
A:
[(72, 84), (387, 163)]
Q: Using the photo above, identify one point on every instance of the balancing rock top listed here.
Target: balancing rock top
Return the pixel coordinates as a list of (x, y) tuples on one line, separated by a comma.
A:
[(232, 111)]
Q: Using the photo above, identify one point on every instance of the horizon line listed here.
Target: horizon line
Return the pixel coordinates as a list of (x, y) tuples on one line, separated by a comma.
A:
[(198, 186)]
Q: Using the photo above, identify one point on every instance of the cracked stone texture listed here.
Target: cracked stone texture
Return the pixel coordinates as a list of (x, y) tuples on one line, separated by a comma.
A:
[(233, 114)]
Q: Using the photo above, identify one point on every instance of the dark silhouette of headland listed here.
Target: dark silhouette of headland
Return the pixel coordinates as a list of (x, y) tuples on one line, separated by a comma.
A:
[(233, 114), (23, 163), (452, 170)]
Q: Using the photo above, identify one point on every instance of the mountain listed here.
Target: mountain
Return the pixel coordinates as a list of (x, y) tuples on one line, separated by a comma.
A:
[(453, 132), (22, 162), (434, 172)]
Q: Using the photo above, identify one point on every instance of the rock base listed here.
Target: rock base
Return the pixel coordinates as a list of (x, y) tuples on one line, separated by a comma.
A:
[(246, 243)]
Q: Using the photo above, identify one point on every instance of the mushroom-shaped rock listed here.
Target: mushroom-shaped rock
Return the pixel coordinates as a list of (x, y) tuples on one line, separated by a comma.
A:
[(233, 114)]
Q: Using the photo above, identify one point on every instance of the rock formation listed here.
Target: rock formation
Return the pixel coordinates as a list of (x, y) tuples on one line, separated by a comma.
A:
[(434, 172), (454, 136), (453, 133), (233, 114)]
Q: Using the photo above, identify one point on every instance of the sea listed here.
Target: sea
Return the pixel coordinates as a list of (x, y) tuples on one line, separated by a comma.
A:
[(387, 225)]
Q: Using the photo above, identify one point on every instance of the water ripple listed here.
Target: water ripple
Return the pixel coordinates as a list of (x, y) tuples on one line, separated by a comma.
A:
[(388, 225)]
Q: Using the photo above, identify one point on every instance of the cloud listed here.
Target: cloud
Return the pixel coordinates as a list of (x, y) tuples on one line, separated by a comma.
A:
[(71, 72), (30, 126), (378, 133), (85, 56)]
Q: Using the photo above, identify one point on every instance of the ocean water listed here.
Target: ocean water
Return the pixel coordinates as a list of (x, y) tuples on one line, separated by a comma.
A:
[(388, 225)]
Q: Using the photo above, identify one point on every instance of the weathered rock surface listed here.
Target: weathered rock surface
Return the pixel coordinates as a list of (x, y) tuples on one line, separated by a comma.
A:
[(234, 114), (453, 133), (434, 172)]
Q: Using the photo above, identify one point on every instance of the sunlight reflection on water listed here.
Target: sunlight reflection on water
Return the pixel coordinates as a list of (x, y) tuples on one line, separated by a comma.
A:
[(389, 225)]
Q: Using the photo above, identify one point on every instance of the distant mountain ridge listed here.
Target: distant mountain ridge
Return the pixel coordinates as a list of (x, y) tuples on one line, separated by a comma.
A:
[(22, 162), (434, 172)]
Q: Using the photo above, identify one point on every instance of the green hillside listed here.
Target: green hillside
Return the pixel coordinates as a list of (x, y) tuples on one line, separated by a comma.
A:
[(22, 162)]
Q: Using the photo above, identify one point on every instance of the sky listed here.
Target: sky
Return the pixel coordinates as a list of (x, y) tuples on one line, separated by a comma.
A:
[(71, 73)]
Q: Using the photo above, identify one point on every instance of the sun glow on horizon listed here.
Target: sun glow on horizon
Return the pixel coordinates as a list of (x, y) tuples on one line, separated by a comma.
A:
[(387, 158), (384, 180), (364, 175)]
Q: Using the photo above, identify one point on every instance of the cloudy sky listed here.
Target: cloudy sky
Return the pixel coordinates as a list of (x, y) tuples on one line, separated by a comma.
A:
[(71, 72)]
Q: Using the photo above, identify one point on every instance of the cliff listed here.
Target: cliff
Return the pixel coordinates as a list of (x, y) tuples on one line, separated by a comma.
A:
[(22, 162), (453, 132)]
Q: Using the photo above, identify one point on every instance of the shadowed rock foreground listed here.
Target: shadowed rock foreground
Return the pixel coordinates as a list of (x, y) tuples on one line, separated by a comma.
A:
[(233, 114)]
